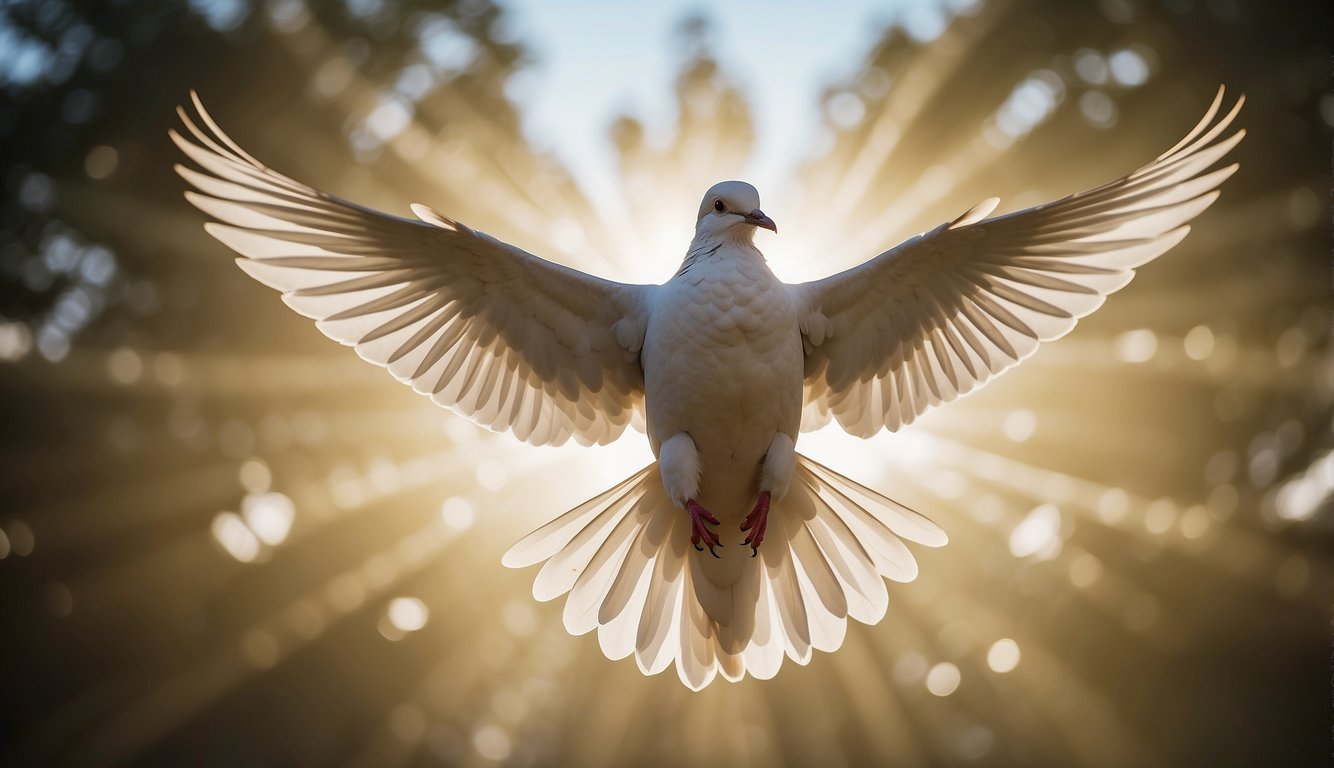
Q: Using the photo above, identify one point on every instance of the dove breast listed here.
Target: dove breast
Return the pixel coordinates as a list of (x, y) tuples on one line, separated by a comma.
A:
[(723, 360)]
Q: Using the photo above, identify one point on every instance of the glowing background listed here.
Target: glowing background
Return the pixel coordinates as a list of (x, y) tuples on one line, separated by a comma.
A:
[(225, 540)]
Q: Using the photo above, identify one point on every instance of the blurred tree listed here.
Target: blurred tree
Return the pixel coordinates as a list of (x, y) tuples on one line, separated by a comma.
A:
[(98, 280), (84, 79), (710, 138)]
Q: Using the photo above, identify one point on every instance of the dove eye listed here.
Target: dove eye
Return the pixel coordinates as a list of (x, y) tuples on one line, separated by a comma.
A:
[(718, 206)]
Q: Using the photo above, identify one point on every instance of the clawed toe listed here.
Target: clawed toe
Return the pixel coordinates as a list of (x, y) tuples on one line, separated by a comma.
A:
[(699, 531), (756, 522)]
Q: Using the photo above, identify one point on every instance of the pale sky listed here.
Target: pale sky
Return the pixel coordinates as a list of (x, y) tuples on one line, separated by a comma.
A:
[(596, 58)]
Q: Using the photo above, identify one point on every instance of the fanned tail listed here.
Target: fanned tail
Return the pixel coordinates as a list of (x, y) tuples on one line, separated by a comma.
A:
[(625, 560)]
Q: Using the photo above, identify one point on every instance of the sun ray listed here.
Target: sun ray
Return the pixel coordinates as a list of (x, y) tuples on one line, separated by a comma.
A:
[(227, 536)]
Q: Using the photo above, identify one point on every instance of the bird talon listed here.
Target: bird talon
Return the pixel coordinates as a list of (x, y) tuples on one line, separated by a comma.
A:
[(756, 522), (699, 531)]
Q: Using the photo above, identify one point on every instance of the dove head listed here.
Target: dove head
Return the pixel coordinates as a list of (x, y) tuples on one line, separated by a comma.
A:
[(731, 209)]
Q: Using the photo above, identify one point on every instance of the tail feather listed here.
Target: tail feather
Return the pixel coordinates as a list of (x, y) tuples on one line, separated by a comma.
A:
[(903, 521), (618, 634), (716, 599), (551, 538), (890, 555), (661, 611), (565, 567), (828, 628), (590, 588), (624, 558), (818, 573), (857, 575), (696, 658), (764, 656), (637, 563), (782, 575)]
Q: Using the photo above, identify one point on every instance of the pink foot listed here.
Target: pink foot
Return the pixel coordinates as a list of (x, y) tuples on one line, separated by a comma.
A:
[(756, 522), (699, 531)]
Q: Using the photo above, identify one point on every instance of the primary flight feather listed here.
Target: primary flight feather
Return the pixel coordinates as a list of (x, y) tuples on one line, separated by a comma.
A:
[(723, 366)]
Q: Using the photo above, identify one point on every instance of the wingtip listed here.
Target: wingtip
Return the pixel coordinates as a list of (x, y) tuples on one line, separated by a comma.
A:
[(520, 554), (976, 213), (431, 216), (205, 204), (212, 227)]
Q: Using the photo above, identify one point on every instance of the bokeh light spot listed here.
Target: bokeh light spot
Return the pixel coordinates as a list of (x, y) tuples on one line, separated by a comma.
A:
[(1112, 506), (492, 743), (910, 669), (458, 513), (1137, 346), (1129, 68), (1085, 570), (100, 162), (1090, 66), (235, 536), (408, 614), (255, 475), (1003, 655), (1160, 516), (846, 109), (15, 341), (124, 366), (943, 679), (1198, 342), (1038, 534), (1020, 425), (22, 540), (1098, 108), (269, 515)]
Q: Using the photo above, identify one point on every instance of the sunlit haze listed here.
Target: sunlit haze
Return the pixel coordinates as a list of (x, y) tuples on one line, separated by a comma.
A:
[(228, 540)]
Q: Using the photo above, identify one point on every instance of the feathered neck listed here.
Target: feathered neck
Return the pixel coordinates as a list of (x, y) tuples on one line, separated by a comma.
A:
[(735, 243)]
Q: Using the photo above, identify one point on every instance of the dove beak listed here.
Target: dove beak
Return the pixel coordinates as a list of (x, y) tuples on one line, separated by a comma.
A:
[(758, 219)]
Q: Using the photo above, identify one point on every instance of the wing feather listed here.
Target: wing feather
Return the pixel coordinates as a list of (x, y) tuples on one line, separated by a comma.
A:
[(943, 313), (501, 336)]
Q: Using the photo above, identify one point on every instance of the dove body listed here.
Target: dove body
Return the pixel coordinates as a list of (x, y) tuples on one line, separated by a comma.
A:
[(723, 375)]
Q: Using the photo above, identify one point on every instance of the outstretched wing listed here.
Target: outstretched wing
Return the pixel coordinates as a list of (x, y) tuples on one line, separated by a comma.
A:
[(496, 334), (945, 312)]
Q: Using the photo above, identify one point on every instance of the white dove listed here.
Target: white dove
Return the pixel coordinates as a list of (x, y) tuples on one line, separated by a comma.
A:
[(724, 364)]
